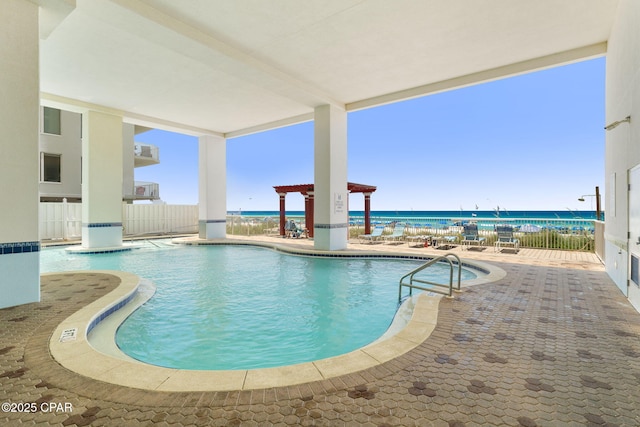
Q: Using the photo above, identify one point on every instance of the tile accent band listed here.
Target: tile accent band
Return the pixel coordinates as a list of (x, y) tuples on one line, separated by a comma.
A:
[(110, 311), (19, 247), (330, 226), (102, 224), (338, 254)]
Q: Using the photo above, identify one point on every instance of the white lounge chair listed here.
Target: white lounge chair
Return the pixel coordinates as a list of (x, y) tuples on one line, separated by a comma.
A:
[(397, 235), (374, 236)]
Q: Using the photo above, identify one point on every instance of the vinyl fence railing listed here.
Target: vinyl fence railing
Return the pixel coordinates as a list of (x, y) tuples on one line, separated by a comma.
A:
[(159, 219), (567, 234), (63, 221), (60, 221)]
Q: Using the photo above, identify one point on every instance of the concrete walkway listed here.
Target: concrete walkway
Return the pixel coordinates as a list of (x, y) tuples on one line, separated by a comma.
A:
[(553, 343)]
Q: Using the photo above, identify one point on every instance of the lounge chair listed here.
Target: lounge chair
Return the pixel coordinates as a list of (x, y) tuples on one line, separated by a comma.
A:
[(397, 235), (506, 238), (470, 236), (419, 240), (445, 242), (375, 235), (292, 230)]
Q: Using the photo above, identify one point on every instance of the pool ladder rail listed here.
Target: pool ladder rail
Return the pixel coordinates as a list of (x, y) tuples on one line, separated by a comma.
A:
[(434, 286)]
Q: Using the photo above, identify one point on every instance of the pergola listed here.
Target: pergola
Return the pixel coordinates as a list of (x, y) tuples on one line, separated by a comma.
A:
[(307, 191)]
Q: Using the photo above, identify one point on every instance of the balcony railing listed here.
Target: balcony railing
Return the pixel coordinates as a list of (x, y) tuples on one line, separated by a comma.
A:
[(145, 154), (146, 191)]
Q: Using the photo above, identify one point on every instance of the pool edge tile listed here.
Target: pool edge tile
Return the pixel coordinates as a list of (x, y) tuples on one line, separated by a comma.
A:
[(282, 376), (344, 364), (185, 380)]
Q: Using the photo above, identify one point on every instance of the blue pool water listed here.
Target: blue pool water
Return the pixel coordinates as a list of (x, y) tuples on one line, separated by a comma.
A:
[(239, 307)]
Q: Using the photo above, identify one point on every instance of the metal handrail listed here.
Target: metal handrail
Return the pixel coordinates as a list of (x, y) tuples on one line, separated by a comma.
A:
[(411, 286)]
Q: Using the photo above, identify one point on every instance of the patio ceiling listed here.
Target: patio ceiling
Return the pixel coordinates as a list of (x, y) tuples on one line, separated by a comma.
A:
[(236, 67)]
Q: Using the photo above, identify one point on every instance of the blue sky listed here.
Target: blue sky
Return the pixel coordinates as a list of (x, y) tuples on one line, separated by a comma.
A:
[(530, 142)]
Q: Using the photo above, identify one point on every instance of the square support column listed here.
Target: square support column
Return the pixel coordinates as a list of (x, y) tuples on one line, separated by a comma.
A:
[(331, 214), (212, 187), (19, 168), (101, 180)]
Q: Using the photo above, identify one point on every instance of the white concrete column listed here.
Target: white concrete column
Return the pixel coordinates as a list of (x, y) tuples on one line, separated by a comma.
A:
[(331, 216), (212, 187), (19, 167), (101, 180)]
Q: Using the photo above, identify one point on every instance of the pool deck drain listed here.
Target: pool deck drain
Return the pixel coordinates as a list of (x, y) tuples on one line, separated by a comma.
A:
[(554, 342)]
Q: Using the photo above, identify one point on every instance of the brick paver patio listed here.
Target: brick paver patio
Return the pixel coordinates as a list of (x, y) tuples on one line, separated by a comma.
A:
[(553, 343)]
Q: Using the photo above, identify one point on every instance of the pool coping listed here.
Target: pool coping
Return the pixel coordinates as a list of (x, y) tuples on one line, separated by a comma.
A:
[(77, 354)]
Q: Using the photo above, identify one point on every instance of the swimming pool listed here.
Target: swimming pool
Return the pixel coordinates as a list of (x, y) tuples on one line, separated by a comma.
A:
[(242, 307)]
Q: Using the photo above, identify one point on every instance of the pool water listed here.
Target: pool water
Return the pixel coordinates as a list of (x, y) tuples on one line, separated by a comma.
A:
[(242, 307)]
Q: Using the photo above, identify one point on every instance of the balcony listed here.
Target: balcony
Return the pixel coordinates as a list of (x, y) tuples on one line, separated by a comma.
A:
[(145, 191), (145, 155)]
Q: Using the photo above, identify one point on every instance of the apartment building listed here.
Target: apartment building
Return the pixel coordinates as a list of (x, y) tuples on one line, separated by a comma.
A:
[(61, 159)]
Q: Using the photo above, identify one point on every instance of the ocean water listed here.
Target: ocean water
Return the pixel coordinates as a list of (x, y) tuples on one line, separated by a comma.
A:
[(451, 215)]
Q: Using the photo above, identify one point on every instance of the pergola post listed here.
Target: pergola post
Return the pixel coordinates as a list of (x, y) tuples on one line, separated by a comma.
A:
[(367, 213), (282, 212), (309, 213), (306, 210)]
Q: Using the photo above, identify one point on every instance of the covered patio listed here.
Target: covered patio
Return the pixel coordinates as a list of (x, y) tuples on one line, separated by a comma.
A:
[(247, 72)]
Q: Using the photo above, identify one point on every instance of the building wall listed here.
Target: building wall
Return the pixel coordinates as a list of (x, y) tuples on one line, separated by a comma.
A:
[(622, 143), (69, 146)]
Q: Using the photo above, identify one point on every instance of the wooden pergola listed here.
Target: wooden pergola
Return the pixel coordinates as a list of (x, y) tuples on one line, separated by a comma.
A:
[(307, 191)]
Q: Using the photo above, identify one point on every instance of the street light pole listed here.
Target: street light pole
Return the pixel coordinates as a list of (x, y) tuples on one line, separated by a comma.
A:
[(597, 197), (598, 216)]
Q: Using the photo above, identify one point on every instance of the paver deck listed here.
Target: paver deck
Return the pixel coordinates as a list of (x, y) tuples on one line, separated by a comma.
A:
[(553, 343)]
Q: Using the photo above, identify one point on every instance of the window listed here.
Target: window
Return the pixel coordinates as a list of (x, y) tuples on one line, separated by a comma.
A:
[(50, 167), (51, 121)]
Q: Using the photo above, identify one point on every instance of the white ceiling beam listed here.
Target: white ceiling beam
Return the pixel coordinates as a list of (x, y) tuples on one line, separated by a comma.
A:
[(510, 70), (535, 64), (271, 125), (81, 107)]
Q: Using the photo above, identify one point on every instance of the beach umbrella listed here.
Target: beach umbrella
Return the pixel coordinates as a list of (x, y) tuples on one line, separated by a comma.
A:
[(530, 228)]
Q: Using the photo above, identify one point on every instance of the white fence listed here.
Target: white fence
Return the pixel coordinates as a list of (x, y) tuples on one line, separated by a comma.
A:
[(159, 219), (62, 221)]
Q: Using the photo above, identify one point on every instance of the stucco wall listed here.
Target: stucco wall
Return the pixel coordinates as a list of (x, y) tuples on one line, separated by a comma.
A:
[(623, 142)]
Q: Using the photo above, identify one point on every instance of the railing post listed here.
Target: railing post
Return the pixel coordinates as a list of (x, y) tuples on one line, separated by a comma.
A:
[(65, 219)]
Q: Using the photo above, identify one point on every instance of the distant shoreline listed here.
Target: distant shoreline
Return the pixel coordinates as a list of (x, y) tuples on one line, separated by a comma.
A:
[(462, 214)]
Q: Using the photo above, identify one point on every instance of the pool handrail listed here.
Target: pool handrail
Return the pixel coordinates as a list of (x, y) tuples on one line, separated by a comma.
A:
[(411, 274)]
